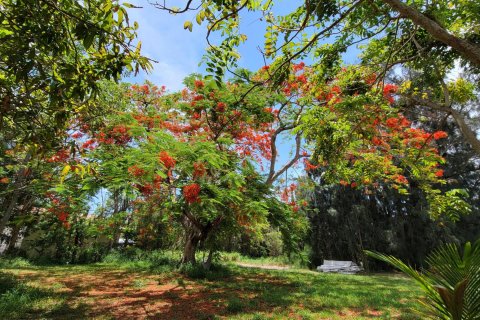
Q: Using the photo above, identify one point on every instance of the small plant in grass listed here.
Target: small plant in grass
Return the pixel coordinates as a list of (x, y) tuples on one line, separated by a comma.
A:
[(451, 283), (181, 282), (139, 283), (235, 305)]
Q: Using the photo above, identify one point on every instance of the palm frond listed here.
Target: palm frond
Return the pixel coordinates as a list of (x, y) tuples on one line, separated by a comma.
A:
[(452, 282)]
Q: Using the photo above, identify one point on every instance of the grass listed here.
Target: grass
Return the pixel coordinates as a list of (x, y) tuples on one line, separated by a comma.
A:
[(144, 289), (297, 261)]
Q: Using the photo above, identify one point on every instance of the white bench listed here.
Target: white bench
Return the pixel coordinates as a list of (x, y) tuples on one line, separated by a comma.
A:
[(345, 267)]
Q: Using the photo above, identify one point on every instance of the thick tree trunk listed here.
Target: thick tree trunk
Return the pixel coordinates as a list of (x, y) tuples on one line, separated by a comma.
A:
[(191, 244), (196, 232), (468, 50), (9, 211)]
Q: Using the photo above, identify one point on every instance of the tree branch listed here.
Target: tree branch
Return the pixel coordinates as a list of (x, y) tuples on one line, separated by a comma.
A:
[(469, 135), (468, 50)]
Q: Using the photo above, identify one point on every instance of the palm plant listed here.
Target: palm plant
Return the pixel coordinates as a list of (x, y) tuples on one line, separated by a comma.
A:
[(451, 282)]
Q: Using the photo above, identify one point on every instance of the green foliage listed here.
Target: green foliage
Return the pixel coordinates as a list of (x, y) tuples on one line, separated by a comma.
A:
[(452, 204), (14, 262), (452, 282), (54, 55)]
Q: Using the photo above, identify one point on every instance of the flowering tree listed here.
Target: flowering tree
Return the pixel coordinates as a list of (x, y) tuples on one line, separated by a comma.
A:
[(361, 137), (192, 157)]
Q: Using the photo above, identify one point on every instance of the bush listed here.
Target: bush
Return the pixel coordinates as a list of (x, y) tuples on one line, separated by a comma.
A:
[(16, 262), (197, 271)]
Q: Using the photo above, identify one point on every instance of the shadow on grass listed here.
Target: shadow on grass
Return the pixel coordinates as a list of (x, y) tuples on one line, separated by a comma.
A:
[(21, 301)]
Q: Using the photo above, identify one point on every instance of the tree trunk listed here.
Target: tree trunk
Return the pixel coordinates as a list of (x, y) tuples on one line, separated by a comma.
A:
[(469, 135), (190, 248), (207, 264), (13, 238), (468, 50)]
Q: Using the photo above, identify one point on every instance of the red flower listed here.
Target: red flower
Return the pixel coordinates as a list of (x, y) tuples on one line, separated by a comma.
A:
[(191, 192), (136, 171), (199, 84), (119, 134), (388, 91), (376, 141), (309, 166), (392, 122), (77, 135), (439, 135), (60, 156), (401, 179), (146, 189), (4, 180), (439, 173), (221, 107), (157, 181), (302, 78), (167, 160), (62, 216), (88, 144), (198, 170), (405, 122), (298, 67)]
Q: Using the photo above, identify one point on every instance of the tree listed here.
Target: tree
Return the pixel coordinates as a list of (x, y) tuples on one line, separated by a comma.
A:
[(189, 158), (54, 55)]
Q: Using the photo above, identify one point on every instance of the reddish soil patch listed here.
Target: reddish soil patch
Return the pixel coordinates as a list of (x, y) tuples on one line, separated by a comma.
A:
[(123, 295)]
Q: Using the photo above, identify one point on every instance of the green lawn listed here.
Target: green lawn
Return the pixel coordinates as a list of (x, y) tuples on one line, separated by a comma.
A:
[(108, 291)]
